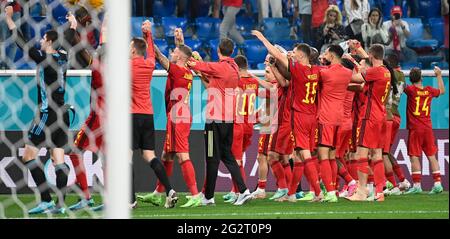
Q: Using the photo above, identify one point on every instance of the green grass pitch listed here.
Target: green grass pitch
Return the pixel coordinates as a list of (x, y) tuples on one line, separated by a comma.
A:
[(394, 207)]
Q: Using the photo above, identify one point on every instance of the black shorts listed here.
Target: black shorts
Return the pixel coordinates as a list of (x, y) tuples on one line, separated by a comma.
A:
[(49, 130), (143, 132)]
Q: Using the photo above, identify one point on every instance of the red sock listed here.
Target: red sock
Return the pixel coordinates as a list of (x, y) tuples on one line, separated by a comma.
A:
[(244, 177), (316, 162), (345, 175), (80, 175), (378, 173), (326, 174), (312, 176), (398, 171), (187, 169), (278, 172), (334, 172), (353, 168), (262, 184), (363, 165), (297, 177), (436, 176), (288, 173), (416, 177), (168, 166), (390, 177)]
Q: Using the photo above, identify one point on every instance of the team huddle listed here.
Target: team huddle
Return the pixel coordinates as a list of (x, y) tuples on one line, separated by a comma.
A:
[(325, 116)]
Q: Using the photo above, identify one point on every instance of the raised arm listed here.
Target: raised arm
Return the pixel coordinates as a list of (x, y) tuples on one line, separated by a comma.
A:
[(280, 78), (147, 34), (178, 37), (83, 57), (271, 48), (441, 85), (161, 58)]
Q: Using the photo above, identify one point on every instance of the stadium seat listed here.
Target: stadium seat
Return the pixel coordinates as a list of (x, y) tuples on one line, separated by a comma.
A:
[(261, 66), (213, 45), (170, 23), (164, 8), (428, 59), (207, 28), (245, 25), (409, 65), (286, 44), (442, 64), (194, 44), (163, 46), (136, 23), (415, 28), (255, 51), (429, 9), (58, 9), (276, 29), (437, 29), (40, 24)]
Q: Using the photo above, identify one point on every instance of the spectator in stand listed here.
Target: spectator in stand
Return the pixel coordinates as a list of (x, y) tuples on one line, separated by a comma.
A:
[(356, 12), (413, 7), (398, 31), (318, 8), (373, 31), (7, 58), (444, 11), (275, 6), (228, 26), (304, 11), (331, 31)]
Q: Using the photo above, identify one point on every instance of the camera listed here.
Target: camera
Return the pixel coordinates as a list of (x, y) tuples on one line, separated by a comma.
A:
[(397, 16)]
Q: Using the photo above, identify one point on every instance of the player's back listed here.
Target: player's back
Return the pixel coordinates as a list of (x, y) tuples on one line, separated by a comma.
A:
[(419, 106), (304, 80), (178, 86), (246, 100), (333, 89), (141, 76), (378, 81)]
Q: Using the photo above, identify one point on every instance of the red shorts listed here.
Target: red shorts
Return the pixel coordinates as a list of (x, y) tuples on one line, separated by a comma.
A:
[(238, 141), (386, 135), (343, 141), (90, 136), (395, 127), (304, 130), (263, 143), (282, 141), (355, 135), (177, 136), (248, 133), (370, 135), (421, 140), (327, 135)]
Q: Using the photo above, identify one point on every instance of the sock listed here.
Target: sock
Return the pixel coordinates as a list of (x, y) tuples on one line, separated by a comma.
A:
[(370, 178), (168, 166), (353, 168), (288, 173), (262, 184), (61, 171), (436, 177), (80, 175), (312, 176), (390, 177), (398, 171), (39, 178), (296, 178), (326, 174), (161, 174), (363, 165), (416, 178), (378, 172), (334, 172), (316, 162), (187, 169), (278, 172), (345, 175)]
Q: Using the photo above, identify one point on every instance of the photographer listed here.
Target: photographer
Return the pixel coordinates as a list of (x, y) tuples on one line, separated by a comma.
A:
[(331, 31), (398, 32)]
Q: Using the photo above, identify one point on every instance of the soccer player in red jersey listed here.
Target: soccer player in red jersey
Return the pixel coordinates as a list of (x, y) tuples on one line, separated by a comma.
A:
[(143, 132), (420, 131), (282, 141), (372, 115), (222, 80), (333, 84), (179, 120)]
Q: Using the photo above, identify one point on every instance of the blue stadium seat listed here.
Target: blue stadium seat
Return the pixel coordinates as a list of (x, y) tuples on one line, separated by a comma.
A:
[(415, 27), (58, 9), (207, 28), (245, 25), (163, 46), (428, 59), (170, 23), (213, 45), (40, 24), (437, 29), (286, 44), (442, 64), (261, 66), (164, 8), (420, 44), (194, 44), (409, 65), (429, 9), (276, 29), (136, 23), (255, 51)]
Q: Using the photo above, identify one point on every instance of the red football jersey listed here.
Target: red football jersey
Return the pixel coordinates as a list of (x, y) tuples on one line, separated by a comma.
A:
[(305, 83), (378, 80), (97, 89), (178, 86), (419, 106), (333, 83), (246, 100)]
